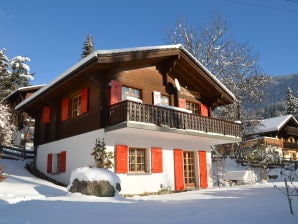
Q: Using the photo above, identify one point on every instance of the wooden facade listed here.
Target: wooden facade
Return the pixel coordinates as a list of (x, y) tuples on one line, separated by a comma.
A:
[(148, 71)]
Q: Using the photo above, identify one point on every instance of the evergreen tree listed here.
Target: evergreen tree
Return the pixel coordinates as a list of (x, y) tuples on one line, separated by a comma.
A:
[(4, 73), (291, 103), (102, 158), (88, 47), (14, 73)]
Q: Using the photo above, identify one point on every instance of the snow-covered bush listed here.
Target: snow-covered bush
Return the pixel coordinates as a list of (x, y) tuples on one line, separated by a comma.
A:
[(6, 125)]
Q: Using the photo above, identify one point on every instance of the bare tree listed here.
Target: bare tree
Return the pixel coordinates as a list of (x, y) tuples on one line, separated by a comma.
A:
[(231, 62)]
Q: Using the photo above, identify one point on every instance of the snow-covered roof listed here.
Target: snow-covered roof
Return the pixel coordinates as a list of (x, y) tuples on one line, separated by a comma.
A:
[(24, 89), (272, 124), (99, 53)]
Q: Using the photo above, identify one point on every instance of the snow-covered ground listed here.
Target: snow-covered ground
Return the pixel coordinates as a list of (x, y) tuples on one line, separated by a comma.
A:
[(29, 200)]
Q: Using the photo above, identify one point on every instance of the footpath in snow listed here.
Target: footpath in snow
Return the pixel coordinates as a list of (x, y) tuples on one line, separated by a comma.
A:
[(30, 200)]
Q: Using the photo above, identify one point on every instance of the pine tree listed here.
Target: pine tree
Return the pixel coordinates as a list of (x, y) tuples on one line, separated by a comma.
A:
[(4, 73), (291, 103), (88, 47), (102, 158), (14, 73)]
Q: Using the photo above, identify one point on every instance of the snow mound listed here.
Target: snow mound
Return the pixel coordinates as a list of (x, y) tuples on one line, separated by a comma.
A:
[(93, 174)]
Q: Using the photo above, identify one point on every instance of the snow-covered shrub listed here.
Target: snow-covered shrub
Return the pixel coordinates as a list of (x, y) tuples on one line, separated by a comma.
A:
[(6, 125)]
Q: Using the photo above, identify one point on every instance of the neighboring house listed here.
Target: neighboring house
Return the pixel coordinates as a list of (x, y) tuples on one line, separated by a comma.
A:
[(151, 105), (24, 123), (278, 133)]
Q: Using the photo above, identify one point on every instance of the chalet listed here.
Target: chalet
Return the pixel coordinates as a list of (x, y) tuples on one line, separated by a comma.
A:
[(24, 123), (151, 105), (278, 133)]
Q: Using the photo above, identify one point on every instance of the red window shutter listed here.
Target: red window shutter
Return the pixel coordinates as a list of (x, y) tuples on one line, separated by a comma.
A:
[(46, 114), (115, 92), (156, 160), (182, 103), (203, 169), (178, 168), (64, 111), (204, 110), (121, 163), (62, 162), (49, 163), (84, 101)]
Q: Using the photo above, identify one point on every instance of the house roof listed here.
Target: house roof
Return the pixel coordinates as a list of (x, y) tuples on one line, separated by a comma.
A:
[(272, 124), (23, 89), (103, 57)]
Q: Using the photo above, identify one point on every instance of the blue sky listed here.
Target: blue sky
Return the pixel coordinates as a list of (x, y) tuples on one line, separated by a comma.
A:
[(52, 32)]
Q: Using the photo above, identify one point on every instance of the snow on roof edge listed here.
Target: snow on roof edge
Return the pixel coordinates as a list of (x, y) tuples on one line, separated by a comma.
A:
[(288, 117), (262, 127)]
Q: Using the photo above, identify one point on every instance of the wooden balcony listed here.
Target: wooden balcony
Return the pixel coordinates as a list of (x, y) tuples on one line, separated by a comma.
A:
[(280, 143), (170, 117)]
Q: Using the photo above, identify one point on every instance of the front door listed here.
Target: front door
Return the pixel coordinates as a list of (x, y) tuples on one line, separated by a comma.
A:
[(189, 169)]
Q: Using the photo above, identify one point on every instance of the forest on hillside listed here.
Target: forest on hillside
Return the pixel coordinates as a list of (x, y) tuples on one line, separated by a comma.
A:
[(276, 94)]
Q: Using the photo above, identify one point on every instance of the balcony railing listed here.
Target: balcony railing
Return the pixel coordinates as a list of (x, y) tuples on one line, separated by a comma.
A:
[(280, 143), (158, 115)]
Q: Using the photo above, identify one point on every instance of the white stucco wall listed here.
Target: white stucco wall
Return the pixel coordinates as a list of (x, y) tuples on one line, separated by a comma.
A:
[(79, 148)]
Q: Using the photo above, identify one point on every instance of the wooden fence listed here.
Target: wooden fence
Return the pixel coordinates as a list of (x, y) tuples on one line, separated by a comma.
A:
[(12, 152)]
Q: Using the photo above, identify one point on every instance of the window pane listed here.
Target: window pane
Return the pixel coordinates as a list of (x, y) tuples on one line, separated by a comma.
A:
[(193, 107), (165, 100), (132, 92), (76, 106), (137, 159)]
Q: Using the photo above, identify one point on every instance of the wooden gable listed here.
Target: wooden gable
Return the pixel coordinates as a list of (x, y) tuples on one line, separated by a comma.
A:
[(172, 62)]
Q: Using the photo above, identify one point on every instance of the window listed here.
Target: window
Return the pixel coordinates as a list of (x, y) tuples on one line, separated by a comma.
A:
[(134, 160), (192, 107), (137, 159), (164, 100), (130, 92), (56, 163), (76, 106)]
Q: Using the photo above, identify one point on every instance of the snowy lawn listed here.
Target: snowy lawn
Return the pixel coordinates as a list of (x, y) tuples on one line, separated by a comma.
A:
[(29, 200)]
